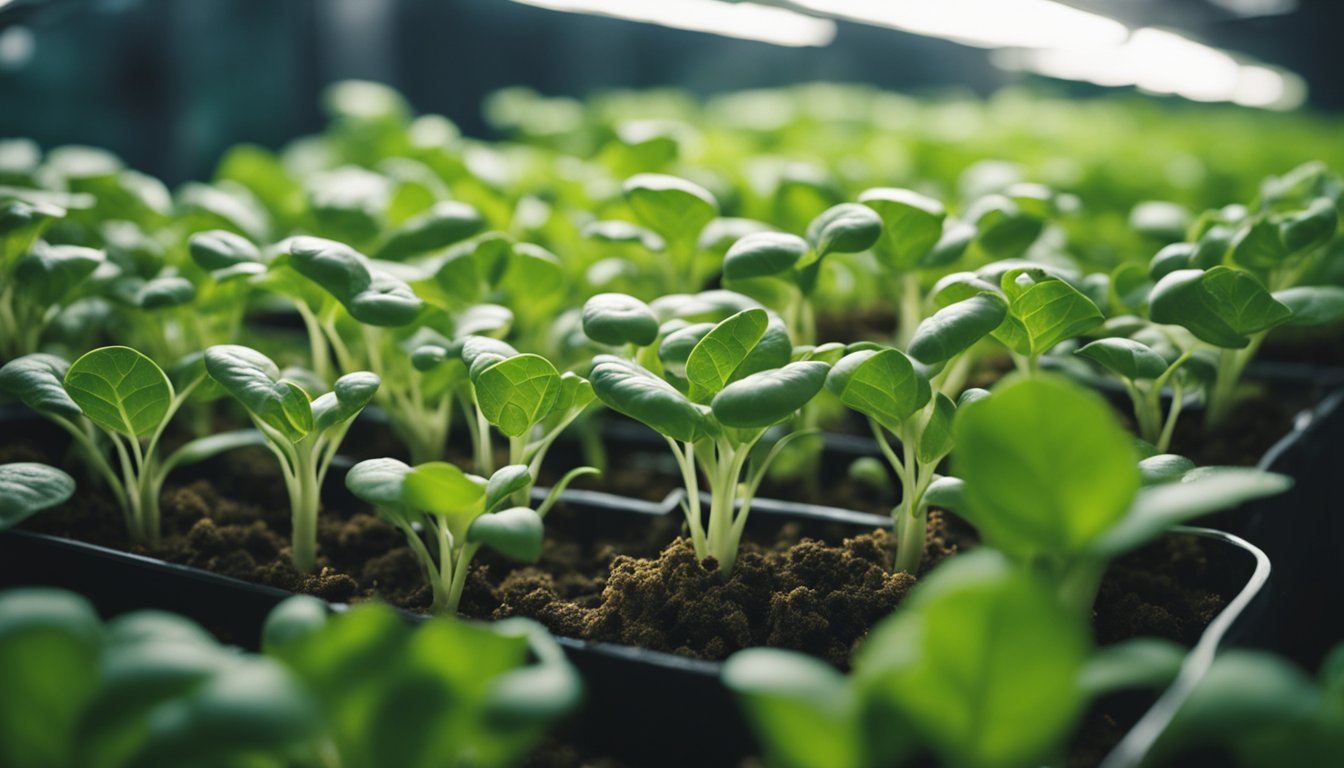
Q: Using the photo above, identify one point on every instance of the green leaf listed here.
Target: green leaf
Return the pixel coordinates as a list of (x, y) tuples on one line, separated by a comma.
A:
[(911, 225), (515, 532), (881, 384), (768, 397), (630, 390), (371, 297), (446, 223), (617, 319), (27, 488), (378, 481), (1311, 228), (763, 254), (1221, 306), (844, 228), (957, 237), (219, 249), (957, 327), (1160, 219), (1048, 469), (960, 286), (802, 710), (1143, 662), (293, 619), (120, 390), (1171, 258), (984, 660), (715, 358), (1043, 311), (165, 292), (1164, 468), (533, 273), (442, 489), (1313, 304), (518, 392), (946, 493), (674, 208), (1199, 492), (936, 440), (1258, 246), (1126, 358), (252, 379), (38, 381), (1003, 229), (48, 273), (352, 392), (505, 482)]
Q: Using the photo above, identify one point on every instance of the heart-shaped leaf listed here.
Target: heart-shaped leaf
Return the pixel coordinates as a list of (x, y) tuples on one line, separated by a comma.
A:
[(1043, 311), (442, 489)]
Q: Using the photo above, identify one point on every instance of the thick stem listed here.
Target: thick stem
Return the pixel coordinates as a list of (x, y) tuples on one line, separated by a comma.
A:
[(518, 455), (686, 461), (1223, 397), (723, 500), (304, 502)]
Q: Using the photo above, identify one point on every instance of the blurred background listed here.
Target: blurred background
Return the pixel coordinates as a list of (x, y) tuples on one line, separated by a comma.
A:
[(169, 84)]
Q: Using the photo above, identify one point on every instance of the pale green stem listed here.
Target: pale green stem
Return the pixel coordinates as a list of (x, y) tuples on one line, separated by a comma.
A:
[(304, 501), (910, 310), (318, 349), (1169, 428), (463, 557), (691, 507)]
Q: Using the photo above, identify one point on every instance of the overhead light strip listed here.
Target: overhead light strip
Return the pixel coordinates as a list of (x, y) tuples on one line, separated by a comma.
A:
[(745, 21)]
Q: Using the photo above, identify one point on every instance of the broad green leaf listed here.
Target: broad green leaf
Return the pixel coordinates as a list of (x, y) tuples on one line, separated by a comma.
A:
[(1129, 287), (1043, 311), (881, 384), (533, 274), (764, 254), (378, 481), (371, 297), (630, 390), (295, 618), (348, 397), (1048, 469), (1171, 258), (717, 356), (911, 225), (957, 237), (1126, 358), (1313, 304), (960, 286), (1310, 228), (1199, 492), (120, 390), (515, 532), (38, 381), (1164, 468), (1221, 306), (226, 205), (27, 488), (617, 319), (768, 397), (518, 392), (48, 273), (165, 292), (505, 482), (219, 249), (49, 648), (984, 660), (442, 489), (677, 346), (720, 234), (1003, 229), (845, 228), (481, 352), (446, 223), (936, 440), (674, 208), (774, 350), (21, 223), (802, 710), (1258, 246), (957, 327), (254, 380), (1212, 247)]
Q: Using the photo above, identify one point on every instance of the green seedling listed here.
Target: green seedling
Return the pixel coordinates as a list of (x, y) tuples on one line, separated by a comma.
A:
[(716, 390), (117, 403), (303, 433), (447, 515), (677, 211), (37, 280)]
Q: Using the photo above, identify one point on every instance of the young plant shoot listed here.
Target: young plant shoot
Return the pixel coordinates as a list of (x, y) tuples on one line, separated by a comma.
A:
[(720, 387), (303, 433), (116, 401), (446, 515), (1048, 476), (677, 211), (883, 385)]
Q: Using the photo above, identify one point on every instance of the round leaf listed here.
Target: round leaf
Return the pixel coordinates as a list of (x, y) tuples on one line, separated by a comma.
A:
[(218, 249), (378, 481), (518, 392), (352, 392), (845, 228), (442, 489), (1313, 304), (1125, 358), (674, 208), (881, 384), (911, 225), (515, 532), (763, 254), (630, 390), (120, 390), (956, 327), (617, 319)]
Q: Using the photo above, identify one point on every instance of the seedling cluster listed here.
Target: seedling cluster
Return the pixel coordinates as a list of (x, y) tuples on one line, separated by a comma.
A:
[(484, 307)]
